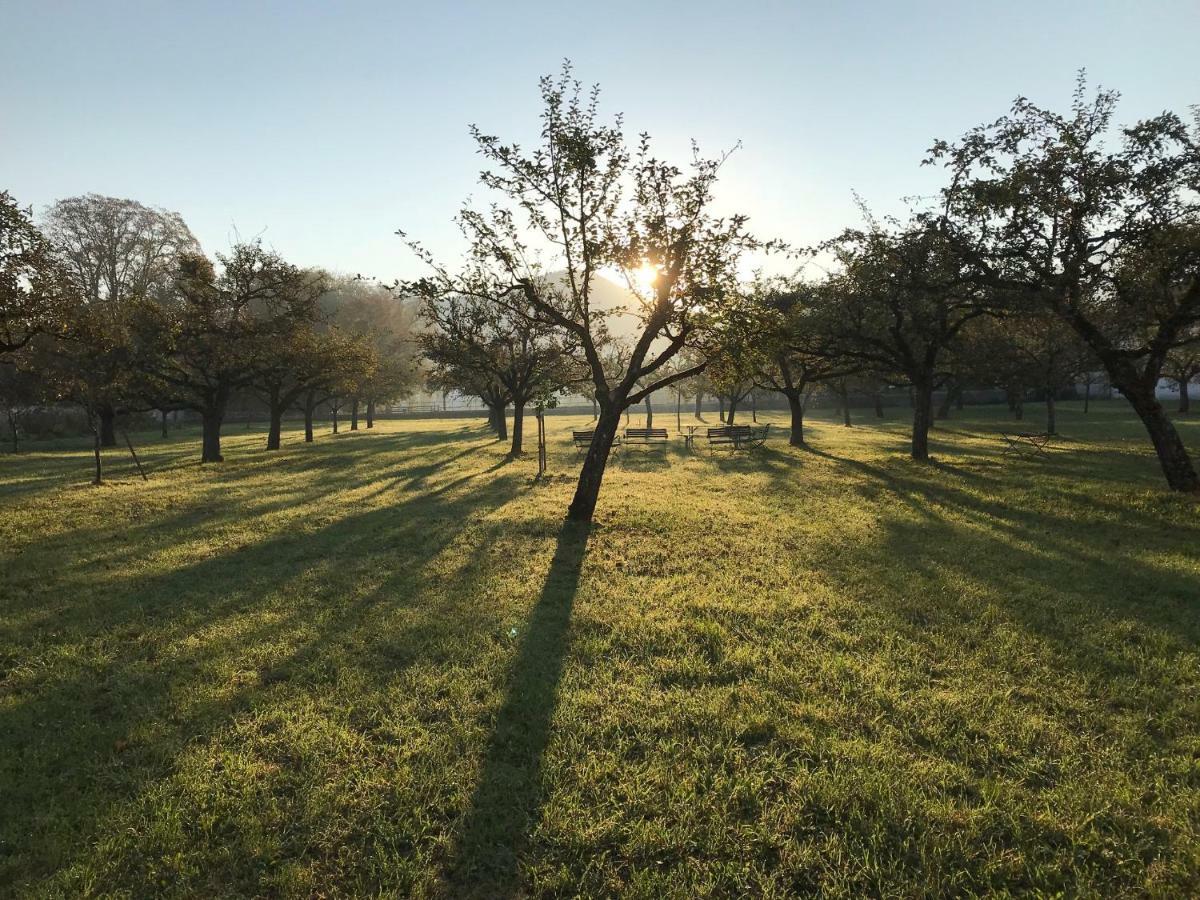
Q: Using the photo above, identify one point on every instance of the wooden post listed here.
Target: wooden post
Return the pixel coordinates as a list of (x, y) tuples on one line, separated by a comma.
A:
[(541, 422), (137, 462)]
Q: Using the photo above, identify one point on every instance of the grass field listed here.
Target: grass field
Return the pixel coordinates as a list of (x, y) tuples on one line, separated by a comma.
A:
[(380, 664)]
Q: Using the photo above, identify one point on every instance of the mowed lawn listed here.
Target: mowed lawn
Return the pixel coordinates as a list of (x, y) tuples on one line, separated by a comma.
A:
[(380, 665)]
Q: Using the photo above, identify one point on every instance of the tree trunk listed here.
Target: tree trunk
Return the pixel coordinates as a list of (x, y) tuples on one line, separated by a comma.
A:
[(1172, 454), (922, 419), (12, 427), (943, 411), (502, 422), (1051, 414), (310, 406), (275, 429), (595, 409), (108, 427), (354, 414), (678, 417), (754, 407), (878, 405), (370, 413), (164, 422), (211, 435), (699, 404), (518, 431), (333, 411), (649, 413), (1185, 402), (721, 407), (732, 411), (1087, 396), (587, 491), (796, 406)]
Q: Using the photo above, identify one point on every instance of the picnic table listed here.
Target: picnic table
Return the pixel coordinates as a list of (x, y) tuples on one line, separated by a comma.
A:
[(689, 435), (1026, 442)]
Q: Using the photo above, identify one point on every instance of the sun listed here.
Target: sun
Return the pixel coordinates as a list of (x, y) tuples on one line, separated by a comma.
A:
[(644, 277)]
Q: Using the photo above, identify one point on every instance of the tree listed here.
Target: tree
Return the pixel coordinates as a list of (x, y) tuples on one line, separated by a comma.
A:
[(492, 343), (1182, 365), (592, 205), (118, 253), (797, 354), (21, 389), (898, 303), (1107, 239), (386, 321), (32, 288), (211, 341)]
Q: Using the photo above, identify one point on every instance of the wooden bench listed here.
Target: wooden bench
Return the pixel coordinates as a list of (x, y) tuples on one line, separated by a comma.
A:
[(1022, 441), (737, 437), (646, 437), (583, 440)]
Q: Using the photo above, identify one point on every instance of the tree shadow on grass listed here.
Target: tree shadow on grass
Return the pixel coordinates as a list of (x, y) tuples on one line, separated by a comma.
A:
[(505, 807), (59, 727)]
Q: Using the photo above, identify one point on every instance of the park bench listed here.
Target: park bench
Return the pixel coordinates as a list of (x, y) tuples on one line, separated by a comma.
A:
[(650, 438), (583, 439), (1025, 441), (737, 437)]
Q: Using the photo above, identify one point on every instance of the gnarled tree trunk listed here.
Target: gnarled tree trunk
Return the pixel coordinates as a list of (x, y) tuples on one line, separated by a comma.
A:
[(796, 407), (583, 505), (1172, 454), (922, 420), (518, 432)]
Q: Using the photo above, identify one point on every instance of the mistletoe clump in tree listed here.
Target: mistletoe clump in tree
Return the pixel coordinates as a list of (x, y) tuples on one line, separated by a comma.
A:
[(591, 205)]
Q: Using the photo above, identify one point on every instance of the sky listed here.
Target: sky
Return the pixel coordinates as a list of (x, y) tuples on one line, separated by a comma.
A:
[(324, 127)]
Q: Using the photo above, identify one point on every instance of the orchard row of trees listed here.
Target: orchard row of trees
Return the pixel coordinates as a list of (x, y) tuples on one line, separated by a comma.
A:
[(1059, 246), (112, 305)]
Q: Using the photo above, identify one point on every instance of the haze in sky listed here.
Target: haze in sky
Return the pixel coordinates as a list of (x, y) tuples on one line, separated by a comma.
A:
[(324, 127)]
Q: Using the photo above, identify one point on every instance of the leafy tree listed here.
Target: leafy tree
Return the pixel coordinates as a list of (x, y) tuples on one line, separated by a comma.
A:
[(1182, 365), (592, 205), (494, 344), (1105, 238), (118, 254), (210, 341), (795, 353), (21, 389), (32, 288), (900, 300)]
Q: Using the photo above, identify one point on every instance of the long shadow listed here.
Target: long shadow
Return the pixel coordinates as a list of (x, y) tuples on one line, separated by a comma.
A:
[(106, 696), (505, 806)]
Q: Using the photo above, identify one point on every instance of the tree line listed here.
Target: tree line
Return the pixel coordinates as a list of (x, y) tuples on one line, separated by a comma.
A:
[(1059, 248), (111, 305)]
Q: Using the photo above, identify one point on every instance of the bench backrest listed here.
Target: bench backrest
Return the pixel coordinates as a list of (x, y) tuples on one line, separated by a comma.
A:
[(646, 432), (729, 431), (583, 437)]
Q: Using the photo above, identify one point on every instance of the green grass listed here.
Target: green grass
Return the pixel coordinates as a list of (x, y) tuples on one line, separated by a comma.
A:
[(380, 664)]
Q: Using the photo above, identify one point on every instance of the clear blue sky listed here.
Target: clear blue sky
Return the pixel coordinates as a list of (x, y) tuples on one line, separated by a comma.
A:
[(327, 126)]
